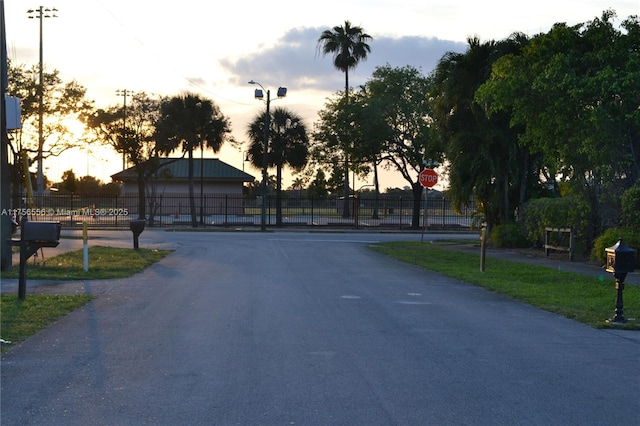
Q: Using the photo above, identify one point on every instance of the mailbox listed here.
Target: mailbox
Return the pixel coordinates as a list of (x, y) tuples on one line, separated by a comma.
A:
[(620, 258), (45, 234), (136, 226), (33, 236), (620, 261)]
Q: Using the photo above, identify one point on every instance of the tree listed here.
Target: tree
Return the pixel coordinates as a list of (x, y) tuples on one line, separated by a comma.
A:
[(63, 103), (187, 122), (69, 183), (318, 187), (401, 97), (135, 140), (333, 135), (574, 92), (485, 159), (288, 146), (359, 121), (349, 45)]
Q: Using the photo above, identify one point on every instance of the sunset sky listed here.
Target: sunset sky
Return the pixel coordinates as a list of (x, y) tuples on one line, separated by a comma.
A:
[(214, 48)]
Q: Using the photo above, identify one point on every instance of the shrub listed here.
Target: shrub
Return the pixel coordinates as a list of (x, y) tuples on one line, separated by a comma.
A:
[(509, 235), (630, 207), (631, 237), (563, 212)]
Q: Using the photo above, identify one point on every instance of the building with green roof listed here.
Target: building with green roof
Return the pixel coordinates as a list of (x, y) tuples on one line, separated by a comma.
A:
[(172, 177)]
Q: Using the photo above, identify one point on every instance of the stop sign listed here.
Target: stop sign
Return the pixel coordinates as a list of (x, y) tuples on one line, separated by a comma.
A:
[(428, 178)]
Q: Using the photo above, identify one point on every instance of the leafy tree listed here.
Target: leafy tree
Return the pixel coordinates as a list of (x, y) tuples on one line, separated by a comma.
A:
[(334, 138), (69, 183), (187, 122), (349, 45), (485, 160), (401, 97), (288, 146), (62, 104), (574, 92), (318, 187), (135, 141), (372, 132), (89, 186)]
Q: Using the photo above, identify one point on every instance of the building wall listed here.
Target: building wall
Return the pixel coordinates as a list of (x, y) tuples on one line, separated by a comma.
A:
[(208, 188), (171, 198)]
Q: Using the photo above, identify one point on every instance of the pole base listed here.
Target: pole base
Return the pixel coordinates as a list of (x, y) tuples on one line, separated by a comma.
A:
[(617, 320)]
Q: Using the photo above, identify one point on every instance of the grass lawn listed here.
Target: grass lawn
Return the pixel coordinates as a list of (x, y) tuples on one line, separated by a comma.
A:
[(585, 299), (21, 319), (104, 263)]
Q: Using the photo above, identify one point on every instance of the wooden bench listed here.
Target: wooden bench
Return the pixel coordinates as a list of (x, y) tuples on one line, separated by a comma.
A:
[(548, 247)]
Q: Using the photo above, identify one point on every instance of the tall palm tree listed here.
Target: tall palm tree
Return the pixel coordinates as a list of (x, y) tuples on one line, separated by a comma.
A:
[(288, 143), (187, 122), (348, 44)]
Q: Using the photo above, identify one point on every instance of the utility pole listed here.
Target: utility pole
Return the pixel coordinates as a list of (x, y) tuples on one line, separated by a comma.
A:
[(124, 93), (41, 13)]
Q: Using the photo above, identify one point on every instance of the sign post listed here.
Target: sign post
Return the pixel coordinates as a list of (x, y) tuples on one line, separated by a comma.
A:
[(428, 178)]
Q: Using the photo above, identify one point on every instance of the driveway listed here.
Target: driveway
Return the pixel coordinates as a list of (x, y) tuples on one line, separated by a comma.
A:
[(285, 328)]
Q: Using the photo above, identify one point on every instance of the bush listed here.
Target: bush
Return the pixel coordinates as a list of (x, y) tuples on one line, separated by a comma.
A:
[(509, 235), (631, 238), (630, 207), (565, 212)]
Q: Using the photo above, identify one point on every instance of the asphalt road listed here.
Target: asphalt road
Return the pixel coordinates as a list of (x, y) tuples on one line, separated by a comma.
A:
[(311, 329)]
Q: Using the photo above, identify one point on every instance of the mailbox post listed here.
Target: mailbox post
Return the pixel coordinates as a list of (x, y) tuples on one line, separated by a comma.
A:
[(620, 261), (33, 236), (136, 226)]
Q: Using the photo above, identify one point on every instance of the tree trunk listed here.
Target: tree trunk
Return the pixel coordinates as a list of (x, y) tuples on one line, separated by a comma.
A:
[(279, 195), (345, 205), (417, 198), (376, 184), (192, 201), (142, 202)]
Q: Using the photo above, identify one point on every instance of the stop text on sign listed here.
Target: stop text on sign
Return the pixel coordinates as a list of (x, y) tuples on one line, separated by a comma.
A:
[(428, 178)]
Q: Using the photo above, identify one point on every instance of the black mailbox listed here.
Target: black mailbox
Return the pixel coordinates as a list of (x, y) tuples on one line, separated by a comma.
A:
[(45, 234), (136, 226), (620, 261), (620, 258), (33, 236)]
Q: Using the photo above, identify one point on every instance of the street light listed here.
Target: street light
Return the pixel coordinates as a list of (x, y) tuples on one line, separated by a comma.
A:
[(124, 93), (41, 13), (282, 92)]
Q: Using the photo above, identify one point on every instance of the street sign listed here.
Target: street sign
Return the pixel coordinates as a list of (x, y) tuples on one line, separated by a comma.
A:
[(428, 178)]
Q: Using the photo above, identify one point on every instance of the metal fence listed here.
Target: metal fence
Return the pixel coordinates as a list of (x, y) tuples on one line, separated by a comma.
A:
[(232, 211)]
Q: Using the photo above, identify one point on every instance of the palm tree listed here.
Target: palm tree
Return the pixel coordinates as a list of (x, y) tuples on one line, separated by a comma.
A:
[(288, 142), (187, 122), (348, 44)]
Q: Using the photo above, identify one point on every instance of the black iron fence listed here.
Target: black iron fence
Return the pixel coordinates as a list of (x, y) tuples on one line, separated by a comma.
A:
[(233, 210)]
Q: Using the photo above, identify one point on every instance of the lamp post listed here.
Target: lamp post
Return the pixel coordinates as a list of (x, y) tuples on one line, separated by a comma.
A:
[(282, 92), (124, 93), (41, 13)]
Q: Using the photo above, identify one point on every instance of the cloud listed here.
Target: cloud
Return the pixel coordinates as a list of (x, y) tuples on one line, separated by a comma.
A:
[(294, 61)]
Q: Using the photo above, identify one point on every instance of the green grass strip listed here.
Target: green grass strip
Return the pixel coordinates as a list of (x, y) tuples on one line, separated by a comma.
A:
[(21, 319), (104, 263), (582, 298)]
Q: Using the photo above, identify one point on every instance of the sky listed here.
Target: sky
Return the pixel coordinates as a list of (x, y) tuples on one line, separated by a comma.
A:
[(214, 48)]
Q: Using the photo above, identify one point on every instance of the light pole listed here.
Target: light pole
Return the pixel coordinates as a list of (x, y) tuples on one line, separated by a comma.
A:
[(124, 93), (41, 13), (282, 92)]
